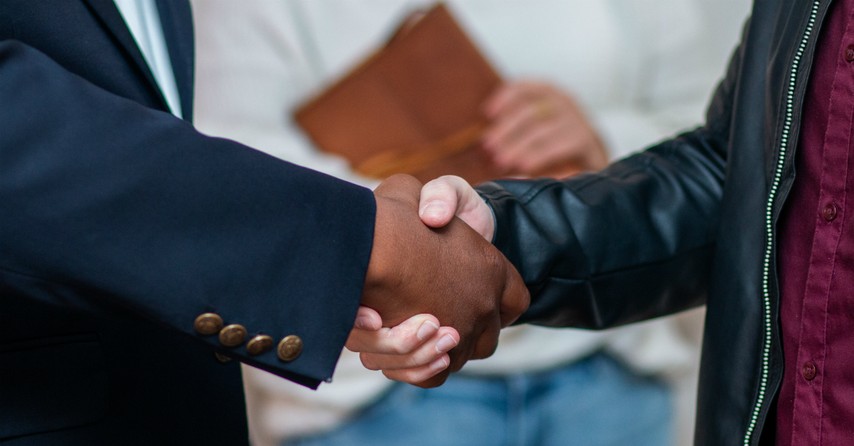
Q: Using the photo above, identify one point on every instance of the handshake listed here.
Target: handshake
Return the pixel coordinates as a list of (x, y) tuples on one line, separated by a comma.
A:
[(436, 293)]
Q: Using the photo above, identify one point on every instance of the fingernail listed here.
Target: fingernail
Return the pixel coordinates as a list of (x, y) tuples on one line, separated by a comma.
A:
[(433, 209), (445, 344), (427, 329), (440, 364)]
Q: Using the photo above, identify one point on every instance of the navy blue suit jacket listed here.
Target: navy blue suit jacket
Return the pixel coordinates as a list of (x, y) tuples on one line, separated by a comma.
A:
[(120, 224)]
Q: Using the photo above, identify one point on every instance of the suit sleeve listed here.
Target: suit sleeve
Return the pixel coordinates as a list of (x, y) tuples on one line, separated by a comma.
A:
[(120, 208), (632, 242)]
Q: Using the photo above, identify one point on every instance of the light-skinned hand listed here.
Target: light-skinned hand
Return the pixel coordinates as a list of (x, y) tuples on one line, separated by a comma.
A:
[(413, 351), (451, 196), (536, 129)]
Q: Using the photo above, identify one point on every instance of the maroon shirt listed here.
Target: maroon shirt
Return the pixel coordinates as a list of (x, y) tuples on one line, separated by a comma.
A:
[(816, 252)]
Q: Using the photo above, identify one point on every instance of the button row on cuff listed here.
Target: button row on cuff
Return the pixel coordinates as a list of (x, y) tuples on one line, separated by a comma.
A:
[(233, 335)]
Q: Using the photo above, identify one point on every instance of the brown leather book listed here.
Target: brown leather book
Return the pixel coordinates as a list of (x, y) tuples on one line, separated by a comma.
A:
[(414, 106)]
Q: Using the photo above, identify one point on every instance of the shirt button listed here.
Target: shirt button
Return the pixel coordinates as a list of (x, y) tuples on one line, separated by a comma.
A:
[(808, 371), (849, 53), (829, 212)]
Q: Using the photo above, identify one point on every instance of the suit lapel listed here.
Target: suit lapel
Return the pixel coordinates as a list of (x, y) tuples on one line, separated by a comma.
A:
[(177, 21), (112, 20)]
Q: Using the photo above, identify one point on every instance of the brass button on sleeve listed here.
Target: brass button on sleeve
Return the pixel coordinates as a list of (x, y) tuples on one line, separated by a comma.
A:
[(289, 348), (259, 344), (232, 335), (208, 324)]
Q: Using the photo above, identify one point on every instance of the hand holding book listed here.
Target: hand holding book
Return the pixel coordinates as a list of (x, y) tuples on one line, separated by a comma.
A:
[(420, 105)]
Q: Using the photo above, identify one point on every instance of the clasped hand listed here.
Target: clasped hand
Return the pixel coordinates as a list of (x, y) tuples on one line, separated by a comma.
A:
[(462, 288), (437, 293)]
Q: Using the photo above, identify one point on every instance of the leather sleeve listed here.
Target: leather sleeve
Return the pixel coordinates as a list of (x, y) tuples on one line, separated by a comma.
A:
[(112, 207), (631, 242)]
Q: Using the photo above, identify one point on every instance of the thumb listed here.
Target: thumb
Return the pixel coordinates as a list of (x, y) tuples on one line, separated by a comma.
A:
[(441, 200), (449, 196), (368, 319)]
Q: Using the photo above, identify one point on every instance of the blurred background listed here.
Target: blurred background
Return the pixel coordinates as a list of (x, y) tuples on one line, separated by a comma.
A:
[(581, 82)]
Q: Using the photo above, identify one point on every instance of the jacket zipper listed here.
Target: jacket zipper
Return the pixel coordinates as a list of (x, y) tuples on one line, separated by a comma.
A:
[(769, 224)]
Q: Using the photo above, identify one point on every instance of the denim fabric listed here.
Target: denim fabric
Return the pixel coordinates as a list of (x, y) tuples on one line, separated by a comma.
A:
[(592, 402)]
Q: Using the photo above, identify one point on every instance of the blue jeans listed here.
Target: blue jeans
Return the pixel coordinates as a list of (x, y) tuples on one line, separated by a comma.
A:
[(592, 402)]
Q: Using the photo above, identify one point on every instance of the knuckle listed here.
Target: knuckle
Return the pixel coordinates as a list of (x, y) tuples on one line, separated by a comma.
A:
[(401, 348), (485, 351)]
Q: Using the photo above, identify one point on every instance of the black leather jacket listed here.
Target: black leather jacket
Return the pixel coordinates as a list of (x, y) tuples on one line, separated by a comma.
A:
[(689, 221)]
